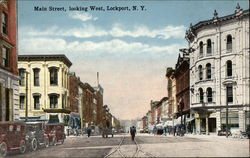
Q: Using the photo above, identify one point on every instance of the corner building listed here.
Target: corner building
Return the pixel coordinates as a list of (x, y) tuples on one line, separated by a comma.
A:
[(219, 72), (8, 62), (46, 81)]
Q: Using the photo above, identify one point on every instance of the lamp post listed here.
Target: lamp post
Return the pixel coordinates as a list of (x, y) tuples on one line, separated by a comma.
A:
[(227, 113), (26, 89)]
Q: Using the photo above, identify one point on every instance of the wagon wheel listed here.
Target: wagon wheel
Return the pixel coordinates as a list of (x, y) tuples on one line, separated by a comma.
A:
[(3, 149), (46, 142), (62, 141), (22, 147), (34, 144)]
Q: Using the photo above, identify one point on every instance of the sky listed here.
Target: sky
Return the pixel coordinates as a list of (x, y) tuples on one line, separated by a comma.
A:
[(130, 49)]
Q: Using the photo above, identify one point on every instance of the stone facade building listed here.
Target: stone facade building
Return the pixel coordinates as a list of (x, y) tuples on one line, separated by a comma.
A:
[(47, 88), (8, 62), (219, 71)]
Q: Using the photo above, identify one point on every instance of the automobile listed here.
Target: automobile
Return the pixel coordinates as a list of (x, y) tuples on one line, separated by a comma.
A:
[(12, 137), (223, 132), (55, 132), (36, 136)]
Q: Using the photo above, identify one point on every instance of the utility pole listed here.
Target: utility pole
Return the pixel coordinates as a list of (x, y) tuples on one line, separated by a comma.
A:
[(26, 105)]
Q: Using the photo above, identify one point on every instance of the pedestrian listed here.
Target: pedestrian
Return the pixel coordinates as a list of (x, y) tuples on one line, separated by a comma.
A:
[(132, 132), (174, 130), (89, 131)]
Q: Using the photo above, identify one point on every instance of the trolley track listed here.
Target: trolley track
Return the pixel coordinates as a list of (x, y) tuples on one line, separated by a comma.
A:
[(137, 152)]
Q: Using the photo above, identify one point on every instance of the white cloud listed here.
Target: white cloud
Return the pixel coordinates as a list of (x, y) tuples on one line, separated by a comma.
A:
[(82, 16), (89, 30), (57, 45)]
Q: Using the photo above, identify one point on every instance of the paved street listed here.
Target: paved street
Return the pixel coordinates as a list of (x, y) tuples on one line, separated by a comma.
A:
[(148, 146)]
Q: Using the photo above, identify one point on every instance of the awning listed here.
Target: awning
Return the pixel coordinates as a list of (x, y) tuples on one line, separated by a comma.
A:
[(159, 126), (189, 119), (168, 123)]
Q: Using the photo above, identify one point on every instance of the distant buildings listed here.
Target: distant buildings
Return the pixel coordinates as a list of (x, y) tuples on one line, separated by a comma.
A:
[(8, 62)]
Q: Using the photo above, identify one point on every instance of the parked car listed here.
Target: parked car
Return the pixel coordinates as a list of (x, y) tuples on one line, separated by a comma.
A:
[(12, 137), (223, 132), (36, 136), (55, 132)]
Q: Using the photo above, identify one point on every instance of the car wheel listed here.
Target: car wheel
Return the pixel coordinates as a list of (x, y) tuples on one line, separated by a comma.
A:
[(3, 149), (22, 147), (34, 144), (46, 142)]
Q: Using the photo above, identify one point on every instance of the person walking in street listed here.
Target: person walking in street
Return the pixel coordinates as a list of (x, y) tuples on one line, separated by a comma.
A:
[(174, 130), (132, 132), (89, 131)]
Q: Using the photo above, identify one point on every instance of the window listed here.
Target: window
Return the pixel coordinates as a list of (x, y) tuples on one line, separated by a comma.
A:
[(36, 102), (53, 76), (63, 101), (200, 73), (21, 102), (6, 57), (53, 101), (229, 42), (229, 94), (201, 95), (4, 23), (201, 49), (209, 47), (208, 71), (22, 77), (229, 68), (209, 95), (36, 76)]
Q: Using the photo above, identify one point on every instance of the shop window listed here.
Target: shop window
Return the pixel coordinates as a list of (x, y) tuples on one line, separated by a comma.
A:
[(209, 95), (200, 72), (208, 71), (36, 72), (229, 42), (229, 68), (4, 23), (209, 47), (201, 95)]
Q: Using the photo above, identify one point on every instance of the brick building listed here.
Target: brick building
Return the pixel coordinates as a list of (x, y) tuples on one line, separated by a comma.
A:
[(182, 88), (73, 93), (8, 62)]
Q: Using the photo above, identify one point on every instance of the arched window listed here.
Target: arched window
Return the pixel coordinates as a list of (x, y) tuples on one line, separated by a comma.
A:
[(209, 47), (208, 70), (209, 95), (229, 42), (201, 95), (229, 68), (201, 49), (200, 73)]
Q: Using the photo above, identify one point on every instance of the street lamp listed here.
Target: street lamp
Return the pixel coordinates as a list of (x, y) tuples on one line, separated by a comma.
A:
[(26, 89)]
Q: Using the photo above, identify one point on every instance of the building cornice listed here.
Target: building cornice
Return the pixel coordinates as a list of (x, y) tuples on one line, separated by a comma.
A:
[(49, 57)]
